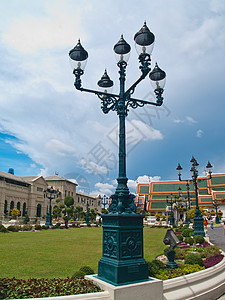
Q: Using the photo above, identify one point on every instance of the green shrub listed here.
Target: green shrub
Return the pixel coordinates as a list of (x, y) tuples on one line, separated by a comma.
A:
[(158, 263), (152, 269), (154, 266), (45, 226), (87, 270), (180, 237), (187, 232), (210, 251), (27, 227), (3, 229), (193, 259), (189, 240), (37, 227), (11, 228), (165, 274), (199, 239), (180, 253), (78, 274)]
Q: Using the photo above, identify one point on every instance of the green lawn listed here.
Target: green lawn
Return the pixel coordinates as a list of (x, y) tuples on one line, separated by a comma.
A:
[(61, 252)]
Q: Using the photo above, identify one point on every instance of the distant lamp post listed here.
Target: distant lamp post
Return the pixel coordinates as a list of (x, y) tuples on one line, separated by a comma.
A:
[(87, 214), (122, 259), (51, 194), (105, 201), (171, 202), (209, 169), (216, 205), (187, 220), (179, 172), (198, 219)]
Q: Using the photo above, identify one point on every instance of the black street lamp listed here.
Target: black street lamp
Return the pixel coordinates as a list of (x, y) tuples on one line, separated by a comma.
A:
[(122, 227), (171, 203), (216, 205), (51, 194), (105, 201), (198, 219)]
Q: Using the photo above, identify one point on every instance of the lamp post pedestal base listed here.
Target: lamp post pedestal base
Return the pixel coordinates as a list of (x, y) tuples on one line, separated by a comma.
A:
[(48, 220), (122, 261), (198, 224)]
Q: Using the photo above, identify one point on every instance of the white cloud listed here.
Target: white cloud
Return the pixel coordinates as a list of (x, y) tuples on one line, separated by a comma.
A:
[(55, 28), (91, 167), (199, 133), (105, 188), (132, 184), (191, 120), (59, 148), (147, 179), (178, 121)]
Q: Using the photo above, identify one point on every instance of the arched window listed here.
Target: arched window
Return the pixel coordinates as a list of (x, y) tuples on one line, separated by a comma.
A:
[(24, 209), (18, 207), (11, 206), (39, 210), (5, 207)]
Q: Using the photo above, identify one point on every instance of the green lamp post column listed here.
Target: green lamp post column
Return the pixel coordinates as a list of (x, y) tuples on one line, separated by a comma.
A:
[(87, 214), (51, 194), (198, 219), (122, 259), (171, 202)]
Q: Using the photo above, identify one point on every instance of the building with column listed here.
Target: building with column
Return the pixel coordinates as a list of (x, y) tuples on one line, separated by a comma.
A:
[(26, 193), (153, 195)]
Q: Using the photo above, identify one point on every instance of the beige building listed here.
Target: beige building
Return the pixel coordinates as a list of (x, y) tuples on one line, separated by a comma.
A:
[(94, 201), (28, 196)]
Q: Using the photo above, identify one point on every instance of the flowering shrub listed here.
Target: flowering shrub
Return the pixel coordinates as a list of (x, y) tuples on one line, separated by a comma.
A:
[(39, 288), (165, 274), (213, 260), (210, 250), (203, 245)]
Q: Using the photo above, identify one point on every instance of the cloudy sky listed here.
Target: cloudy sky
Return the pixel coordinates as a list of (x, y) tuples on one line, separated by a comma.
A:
[(48, 127)]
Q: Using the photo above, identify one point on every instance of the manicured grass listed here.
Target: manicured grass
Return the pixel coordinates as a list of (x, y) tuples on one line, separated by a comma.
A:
[(60, 252)]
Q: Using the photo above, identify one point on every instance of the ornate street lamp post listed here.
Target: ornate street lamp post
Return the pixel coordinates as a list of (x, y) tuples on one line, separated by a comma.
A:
[(87, 214), (122, 259), (171, 202), (198, 219), (216, 205), (51, 194)]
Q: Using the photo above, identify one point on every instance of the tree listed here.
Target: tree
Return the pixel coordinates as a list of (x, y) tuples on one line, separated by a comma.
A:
[(191, 212), (69, 208), (15, 212), (78, 212), (57, 209), (92, 214)]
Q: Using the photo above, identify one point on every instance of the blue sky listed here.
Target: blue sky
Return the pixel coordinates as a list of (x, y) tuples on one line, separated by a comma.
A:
[(47, 126)]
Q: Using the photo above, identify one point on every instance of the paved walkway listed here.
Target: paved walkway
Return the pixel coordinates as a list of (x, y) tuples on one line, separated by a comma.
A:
[(217, 237)]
